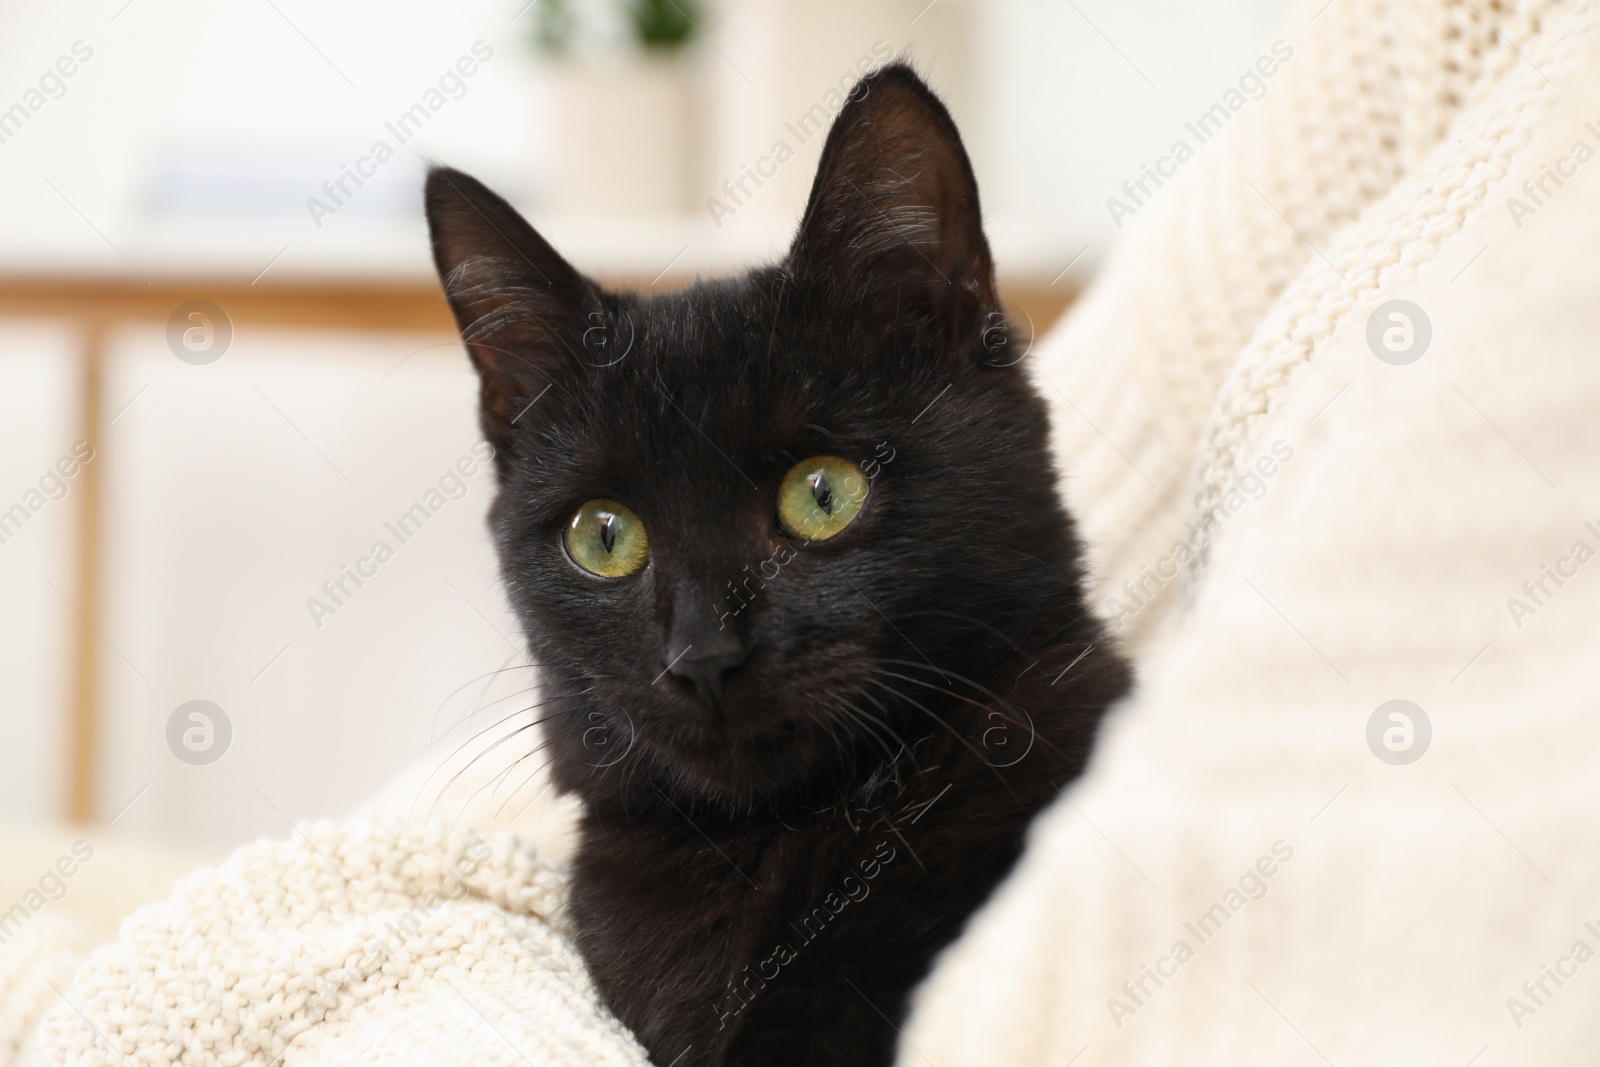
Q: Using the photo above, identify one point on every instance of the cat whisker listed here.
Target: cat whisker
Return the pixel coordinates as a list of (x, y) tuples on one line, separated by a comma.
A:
[(531, 800), (634, 761), (466, 804), (1025, 719), (951, 730), (1001, 634), (515, 694), (493, 783), (525, 782), (503, 720), (1025, 723), (946, 673), (855, 717), (829, 725), (440, 795), (470, 763), (434, 722), (874, 723)]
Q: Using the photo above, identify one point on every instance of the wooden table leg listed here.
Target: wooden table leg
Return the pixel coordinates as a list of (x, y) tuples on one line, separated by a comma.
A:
[(83, 735)]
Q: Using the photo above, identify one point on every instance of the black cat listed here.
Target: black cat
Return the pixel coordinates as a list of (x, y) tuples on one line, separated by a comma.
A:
[(788, 550)]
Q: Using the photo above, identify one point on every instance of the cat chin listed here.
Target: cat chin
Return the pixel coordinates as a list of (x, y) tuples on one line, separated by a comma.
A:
[(739, 773)]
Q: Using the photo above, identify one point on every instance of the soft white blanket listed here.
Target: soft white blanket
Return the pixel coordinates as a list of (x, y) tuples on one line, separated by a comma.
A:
[(362, 942), (1241, 877), (1249, 872)]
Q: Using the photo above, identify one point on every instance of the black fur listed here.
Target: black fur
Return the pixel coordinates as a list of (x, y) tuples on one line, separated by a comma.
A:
[(763, 878)]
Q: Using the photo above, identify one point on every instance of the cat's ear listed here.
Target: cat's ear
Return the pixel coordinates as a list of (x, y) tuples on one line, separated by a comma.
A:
[(893, 217), (519, 305)]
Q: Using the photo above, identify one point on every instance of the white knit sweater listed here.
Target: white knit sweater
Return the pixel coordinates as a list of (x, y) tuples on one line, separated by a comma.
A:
[(1239, 877)]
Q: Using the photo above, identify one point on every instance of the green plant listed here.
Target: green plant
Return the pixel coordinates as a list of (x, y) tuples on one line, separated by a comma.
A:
[(553, 25), (664, 24)]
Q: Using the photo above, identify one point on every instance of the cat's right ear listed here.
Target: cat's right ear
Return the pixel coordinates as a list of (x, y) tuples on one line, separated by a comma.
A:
[(519, 305), (893, 220)]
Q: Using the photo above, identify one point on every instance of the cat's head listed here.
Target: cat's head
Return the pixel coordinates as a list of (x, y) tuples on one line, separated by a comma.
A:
[(761, 530)]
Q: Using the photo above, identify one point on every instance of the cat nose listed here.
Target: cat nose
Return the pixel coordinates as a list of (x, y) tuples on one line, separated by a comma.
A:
[(708, 664)]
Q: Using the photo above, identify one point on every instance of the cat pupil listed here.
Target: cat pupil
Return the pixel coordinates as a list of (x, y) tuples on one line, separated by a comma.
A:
[(822, 492), (608, 533)]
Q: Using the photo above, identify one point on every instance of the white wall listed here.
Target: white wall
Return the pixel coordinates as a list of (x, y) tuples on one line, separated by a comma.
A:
[(208, 121), (235, 490), (1069, 114), (39, 390), (192, 115)]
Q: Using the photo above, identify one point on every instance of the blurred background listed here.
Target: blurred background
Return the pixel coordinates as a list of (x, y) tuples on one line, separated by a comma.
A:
[(227, 377)]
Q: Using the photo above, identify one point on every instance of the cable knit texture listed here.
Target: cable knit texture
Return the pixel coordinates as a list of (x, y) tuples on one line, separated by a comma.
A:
[(353, 943), (1370, 146), (1241, 877), (1245, 874)]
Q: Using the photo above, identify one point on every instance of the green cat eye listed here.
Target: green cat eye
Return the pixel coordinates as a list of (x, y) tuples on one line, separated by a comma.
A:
[(820, 497), (606, 538)]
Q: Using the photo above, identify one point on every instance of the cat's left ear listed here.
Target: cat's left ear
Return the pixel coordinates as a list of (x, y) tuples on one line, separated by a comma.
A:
[(893, 220), (520, 306)]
